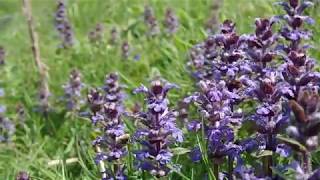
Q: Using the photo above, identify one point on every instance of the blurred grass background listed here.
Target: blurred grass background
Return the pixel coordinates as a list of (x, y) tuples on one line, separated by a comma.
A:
[(60, 136)]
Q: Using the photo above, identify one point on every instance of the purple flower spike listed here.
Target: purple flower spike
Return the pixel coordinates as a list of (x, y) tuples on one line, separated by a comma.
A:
[(159, 130), (297, 70), (72, 91), (63, 25), (113, 36), (171, 21), (7, 128), (125, 49), (106, 114), (151, 21), (216, 104)]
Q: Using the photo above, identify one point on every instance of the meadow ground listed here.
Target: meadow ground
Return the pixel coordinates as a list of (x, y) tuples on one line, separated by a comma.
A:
[(62, 136)]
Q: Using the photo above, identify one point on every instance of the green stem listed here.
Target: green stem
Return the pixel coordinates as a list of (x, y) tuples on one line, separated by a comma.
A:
[(216, 170), (267, 160), (130, 158), (307, 162), (144, 175), (230, 168)]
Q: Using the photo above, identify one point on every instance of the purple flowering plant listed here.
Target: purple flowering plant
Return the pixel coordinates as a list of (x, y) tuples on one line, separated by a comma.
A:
[(125, 50), (63, 25), (106, 114), (72, 91), (220, 65), (7, 127), (254, 111), (158, 131), (171, 21), (151, 21)]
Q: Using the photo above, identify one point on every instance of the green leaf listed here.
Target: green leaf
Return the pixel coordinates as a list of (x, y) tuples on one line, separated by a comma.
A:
[(180, 151), (263, 153), (292, 143), (70, 146), (178, 172), (279, 173)]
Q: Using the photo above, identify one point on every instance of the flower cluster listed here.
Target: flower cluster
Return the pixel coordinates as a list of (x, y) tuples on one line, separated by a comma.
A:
[(96, 34), (7, 127), (63, 25), (113, 36), (215, 105), (44, 96), (299, 75), (266, 87), (297, 68), (159, 129), (22, 175), (72, 91), (224, 73), (151, 21), (125, 49), (220, 56), (171, 21), (107, 111), (260, 47)]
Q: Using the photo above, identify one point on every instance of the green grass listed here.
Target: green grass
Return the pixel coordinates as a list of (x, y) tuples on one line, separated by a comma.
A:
[(61, 137)]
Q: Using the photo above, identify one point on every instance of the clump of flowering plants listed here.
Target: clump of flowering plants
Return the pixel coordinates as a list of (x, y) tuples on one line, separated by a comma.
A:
[(159, 130), (268, 68), (220, 65), (214, 102), (107, 111), (266, 87), (300, 76)]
